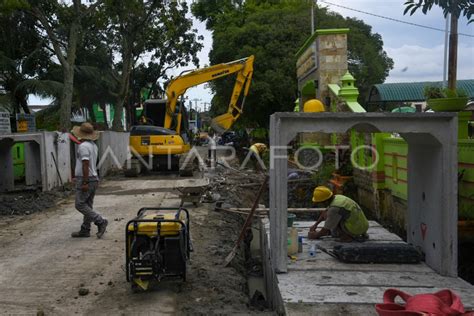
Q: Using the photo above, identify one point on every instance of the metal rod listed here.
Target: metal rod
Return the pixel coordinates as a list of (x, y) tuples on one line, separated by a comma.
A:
[(57, 170)]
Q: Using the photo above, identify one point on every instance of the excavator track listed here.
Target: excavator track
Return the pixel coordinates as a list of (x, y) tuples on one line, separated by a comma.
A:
[(135, 168)]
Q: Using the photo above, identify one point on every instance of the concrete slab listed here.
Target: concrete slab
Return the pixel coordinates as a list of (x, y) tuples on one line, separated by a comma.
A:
[(113, 151), (324, 285), (375, 279)]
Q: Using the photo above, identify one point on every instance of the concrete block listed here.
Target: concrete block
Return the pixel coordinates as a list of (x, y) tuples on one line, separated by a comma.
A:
[(40, 148), (64, 157), (113, 151), (49, 171), (432, 169)]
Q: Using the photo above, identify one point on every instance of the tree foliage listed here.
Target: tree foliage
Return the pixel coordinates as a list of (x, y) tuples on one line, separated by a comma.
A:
[(158, 29), (273, 31), (22, 57), (456, 7), (61, 22), (85, 52)]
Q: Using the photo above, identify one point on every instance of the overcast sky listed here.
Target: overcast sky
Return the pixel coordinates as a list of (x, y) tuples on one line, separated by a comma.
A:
[(417, 52)]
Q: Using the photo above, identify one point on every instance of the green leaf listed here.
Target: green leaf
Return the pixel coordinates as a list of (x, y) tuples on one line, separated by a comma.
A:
[(407, 8)]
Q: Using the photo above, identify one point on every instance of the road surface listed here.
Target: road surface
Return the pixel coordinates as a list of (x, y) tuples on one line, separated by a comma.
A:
[(42, 267)]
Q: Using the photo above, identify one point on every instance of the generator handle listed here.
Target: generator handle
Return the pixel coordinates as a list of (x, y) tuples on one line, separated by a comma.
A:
[(143, 210)]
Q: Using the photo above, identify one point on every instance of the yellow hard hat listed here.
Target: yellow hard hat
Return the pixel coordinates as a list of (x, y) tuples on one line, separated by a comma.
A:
[(313, 105), (321, 194)]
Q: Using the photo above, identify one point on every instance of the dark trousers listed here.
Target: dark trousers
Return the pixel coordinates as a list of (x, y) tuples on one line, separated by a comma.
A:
[(85, 205)]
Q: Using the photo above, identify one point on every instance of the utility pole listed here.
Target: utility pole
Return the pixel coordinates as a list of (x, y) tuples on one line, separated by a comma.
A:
[(453, 52), (205, 105), (196, 102), (446, 44), (195, 121), (314, 4)]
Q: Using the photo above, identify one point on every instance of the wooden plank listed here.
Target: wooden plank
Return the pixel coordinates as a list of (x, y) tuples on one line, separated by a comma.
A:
[(266, 210), (236, 212), (308, 224)]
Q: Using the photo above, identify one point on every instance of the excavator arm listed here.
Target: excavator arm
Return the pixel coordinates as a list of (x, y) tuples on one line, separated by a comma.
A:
[(179, 85)]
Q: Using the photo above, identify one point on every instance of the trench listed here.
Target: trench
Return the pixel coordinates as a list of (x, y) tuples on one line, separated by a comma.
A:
[(255, 279)]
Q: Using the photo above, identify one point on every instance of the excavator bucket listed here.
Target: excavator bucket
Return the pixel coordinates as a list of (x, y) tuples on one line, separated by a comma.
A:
[(222, 122)]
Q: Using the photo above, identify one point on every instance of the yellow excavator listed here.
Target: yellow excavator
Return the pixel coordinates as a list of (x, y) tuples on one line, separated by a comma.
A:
[(162, 140)]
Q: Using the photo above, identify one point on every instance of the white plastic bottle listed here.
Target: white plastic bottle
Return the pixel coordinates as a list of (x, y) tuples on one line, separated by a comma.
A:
[(312, 249)]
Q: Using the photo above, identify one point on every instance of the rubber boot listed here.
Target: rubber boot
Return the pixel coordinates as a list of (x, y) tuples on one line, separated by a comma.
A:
[(102, 226), (82, 233)]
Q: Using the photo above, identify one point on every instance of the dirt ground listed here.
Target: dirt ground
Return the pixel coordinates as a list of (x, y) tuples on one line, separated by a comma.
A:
[(31, 201), (44, 270)]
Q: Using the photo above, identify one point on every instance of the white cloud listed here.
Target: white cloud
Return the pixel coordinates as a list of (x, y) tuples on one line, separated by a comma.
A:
[(201, 92), (417, 52), (418, 63)]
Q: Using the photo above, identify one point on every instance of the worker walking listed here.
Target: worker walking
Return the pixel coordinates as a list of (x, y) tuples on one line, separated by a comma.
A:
[(342, 218), (87, 180)]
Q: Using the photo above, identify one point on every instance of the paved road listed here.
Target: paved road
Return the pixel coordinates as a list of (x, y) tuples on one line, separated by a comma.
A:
[(42, 267)]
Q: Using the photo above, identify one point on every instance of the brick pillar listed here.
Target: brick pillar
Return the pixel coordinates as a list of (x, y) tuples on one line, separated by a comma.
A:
[(331, 59)]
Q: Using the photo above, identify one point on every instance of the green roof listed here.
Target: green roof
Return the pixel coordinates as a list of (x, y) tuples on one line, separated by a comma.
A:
[(411, 91)]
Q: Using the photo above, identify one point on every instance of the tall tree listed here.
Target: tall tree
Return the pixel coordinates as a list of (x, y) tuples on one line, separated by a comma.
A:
[(158, 29), (456, 8), (273, 31), (22, 56), (94, 71), (61, 23), (212, 11)]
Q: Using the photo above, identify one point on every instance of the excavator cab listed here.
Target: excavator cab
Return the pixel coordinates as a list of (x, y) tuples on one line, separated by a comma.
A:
[(154, 113)]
